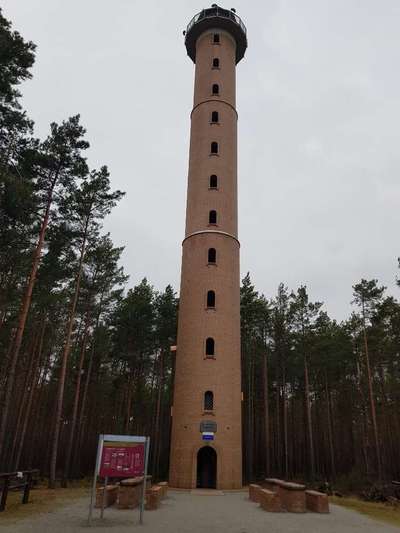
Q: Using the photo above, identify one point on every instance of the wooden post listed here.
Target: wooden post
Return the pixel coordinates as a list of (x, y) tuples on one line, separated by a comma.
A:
[(4, 493), (27, 488)]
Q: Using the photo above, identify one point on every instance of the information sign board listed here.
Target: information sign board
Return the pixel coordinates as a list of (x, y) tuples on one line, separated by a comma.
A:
[(120, 456), (122, 459)]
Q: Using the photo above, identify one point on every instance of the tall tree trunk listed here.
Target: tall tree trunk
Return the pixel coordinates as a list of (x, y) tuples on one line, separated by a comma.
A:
[(25, 395), (32, 389), (250, 429), (278, 425), (309, 420), (330, 431), (76, 403), (386, 455), (64, 360), (364, 425), (3, 381), (285, 423), (80, 424), (266, 419), (372, 405), (23, 314), (84, 401), (128, 405), (39, 414), (157, 433)]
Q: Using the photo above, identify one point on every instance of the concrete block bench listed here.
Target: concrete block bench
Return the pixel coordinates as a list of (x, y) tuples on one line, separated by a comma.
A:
[(129, 493), (317, 501), (110, 496), (164, 488), (269, 501), (274, 484), (153, 498), (293, 497), (254, 492)]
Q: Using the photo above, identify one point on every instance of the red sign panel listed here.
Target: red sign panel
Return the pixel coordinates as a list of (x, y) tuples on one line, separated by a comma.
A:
[(122, 459)]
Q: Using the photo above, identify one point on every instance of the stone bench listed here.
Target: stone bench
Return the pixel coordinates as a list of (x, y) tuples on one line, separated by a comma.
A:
[(130, 492), (110, 495), (254, 492), (317, 501), (269, 501), (293, 497), (164, 488), (153, 498), (273, 484)]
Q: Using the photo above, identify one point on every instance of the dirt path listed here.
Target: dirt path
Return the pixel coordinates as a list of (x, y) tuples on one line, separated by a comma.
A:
[(184, 512)]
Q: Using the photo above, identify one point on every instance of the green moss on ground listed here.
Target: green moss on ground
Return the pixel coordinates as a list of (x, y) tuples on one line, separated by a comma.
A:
[(379, 511)]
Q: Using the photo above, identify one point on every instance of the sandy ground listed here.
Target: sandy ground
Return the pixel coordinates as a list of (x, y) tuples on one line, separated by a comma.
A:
[(184, 512)]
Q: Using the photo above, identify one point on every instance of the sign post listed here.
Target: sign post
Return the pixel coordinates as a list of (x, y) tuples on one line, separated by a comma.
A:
[(146, 462), (120, 456)]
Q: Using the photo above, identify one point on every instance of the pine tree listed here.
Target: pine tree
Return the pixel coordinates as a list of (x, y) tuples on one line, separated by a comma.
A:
[(367, 295), (304, 315), (85, 207), (57, 165)]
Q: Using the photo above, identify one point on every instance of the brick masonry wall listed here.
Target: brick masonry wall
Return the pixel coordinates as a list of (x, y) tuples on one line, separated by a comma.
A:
[(317, 502), (194, 373), (294, 501)]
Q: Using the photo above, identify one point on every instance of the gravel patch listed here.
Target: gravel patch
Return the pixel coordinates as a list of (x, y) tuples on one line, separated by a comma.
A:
[(185, 512)]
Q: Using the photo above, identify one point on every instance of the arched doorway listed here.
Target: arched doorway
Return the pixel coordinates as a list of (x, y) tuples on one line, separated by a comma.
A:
[(206, 468)]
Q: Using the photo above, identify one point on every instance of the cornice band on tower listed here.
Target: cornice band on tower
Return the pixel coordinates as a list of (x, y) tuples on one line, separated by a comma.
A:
[(212, 231), (215, 100)]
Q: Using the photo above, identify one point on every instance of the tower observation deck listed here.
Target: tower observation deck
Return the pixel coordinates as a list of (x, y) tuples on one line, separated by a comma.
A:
[(206, 443), (216, 17)]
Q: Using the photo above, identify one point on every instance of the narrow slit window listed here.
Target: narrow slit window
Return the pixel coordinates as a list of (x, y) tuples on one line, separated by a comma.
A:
[(210, 346), (214, 147), (212, 217), (216, 38), (215, 88), (213, 181), (216, 62), (211, 299), (214, 116), (212, 255), (208, 401)]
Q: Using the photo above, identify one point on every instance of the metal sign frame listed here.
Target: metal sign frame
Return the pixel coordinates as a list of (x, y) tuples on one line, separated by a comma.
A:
[(118, 438)]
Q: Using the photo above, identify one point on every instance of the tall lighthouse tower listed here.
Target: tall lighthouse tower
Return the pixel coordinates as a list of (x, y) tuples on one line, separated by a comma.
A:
[(206, 448)]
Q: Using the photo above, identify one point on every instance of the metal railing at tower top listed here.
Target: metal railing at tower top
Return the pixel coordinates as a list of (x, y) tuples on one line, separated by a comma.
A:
[(216, 11)]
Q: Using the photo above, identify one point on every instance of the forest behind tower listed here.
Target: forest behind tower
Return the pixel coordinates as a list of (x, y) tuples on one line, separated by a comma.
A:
[(80, 354)]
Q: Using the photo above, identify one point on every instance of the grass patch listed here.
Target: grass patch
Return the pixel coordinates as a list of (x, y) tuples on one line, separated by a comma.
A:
[(379, 511), (41, 500)]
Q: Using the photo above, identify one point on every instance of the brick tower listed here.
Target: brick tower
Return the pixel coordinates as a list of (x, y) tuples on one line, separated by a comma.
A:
[(206, 448)]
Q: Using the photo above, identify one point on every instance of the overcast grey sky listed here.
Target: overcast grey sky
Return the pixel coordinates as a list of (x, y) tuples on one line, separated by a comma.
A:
[(319, 113)]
